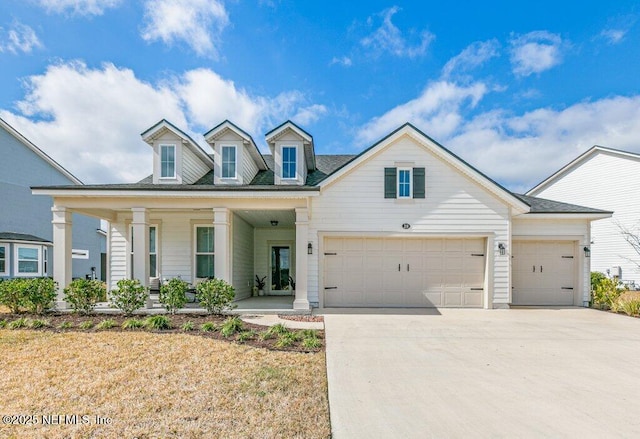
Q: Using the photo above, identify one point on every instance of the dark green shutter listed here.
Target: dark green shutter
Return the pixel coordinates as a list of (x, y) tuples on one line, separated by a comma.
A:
[(390, 182), (418, 183)]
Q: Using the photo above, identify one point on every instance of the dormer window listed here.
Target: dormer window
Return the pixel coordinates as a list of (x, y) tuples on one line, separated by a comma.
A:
[(229, 160), (167, 161), (289, 162)]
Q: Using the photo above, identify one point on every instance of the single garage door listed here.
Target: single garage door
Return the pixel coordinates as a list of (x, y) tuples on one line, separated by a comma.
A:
[(543, 272), (403, 272)]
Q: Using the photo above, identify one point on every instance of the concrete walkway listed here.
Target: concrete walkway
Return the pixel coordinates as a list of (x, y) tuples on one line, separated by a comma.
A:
[(555, 373), (271, 319)]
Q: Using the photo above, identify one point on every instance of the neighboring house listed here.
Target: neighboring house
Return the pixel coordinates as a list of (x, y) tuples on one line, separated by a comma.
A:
[(608, 179), (26, 233), (406, 223)]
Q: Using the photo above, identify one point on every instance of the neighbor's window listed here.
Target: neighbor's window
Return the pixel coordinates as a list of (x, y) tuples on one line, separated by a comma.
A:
[(28, 262), (45, 260), (404, 183), (204, 252), (4, 263), (153, 252), (167, 161), (228, 162), (289, 161)]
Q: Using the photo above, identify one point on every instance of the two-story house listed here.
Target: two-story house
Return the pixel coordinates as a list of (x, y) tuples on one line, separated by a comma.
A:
[(405, 223)]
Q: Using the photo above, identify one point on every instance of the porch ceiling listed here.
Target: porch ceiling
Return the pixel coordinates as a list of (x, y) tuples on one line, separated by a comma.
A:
[(263, 218)]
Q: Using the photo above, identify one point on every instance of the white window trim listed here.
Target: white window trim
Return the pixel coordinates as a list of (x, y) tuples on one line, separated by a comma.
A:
[(45, 260), (195, 249), (6, 260), (235, 161), (157, 253), (295, 173), (16, 265), (410, 196), (175, 162)]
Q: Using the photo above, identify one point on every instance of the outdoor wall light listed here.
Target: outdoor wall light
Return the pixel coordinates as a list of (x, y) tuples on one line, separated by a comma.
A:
[(309, 249), (587, 252), (274, 223), (502, 249)]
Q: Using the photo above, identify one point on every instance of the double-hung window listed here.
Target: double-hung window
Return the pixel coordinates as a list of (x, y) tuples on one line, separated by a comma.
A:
[(229, 162), (167, 161), (289, 162), (4, 260), (404, 183), (28, 260), (204, 254)]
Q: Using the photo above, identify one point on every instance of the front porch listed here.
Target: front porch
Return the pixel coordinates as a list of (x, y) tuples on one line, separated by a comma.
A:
[(235, 244)]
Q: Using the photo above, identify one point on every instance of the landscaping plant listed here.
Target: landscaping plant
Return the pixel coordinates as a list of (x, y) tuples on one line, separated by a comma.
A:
[(605, 291), (83, 294), (133, 324), (106, 324), (173, 294), (215, 295), (157, 323), (188, 326), (39, 294), (129, 296), (231, 326), (208, 327), (11, 294)]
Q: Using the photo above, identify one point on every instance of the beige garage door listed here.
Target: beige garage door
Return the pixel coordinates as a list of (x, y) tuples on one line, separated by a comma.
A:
[(403, 272), (543, 272)]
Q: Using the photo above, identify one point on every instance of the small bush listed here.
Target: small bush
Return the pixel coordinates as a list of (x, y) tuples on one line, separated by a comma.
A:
[(209, 327), (215, 295), (12, 294), (106, 324), (188, 326), (245, 336), (65, 325), (87, 324), (82, 294), (311, 343), (19, 323), (157, 323), (605, 291), (39, 294), (132, 324), (38, 323), (130, 296), (231, 326), (173, 294)]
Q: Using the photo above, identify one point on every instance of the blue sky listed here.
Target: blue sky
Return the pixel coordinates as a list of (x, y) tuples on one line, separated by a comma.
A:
[(515, 91)]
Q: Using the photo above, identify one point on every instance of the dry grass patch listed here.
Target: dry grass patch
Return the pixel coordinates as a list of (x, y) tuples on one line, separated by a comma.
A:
[(160, 385)]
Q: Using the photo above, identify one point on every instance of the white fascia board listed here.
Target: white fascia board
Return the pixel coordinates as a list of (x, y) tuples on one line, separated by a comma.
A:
[(173, 194), (563, 216), (150, 136)]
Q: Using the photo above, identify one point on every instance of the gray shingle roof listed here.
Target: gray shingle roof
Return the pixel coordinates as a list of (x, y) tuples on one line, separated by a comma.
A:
[(12, 236), (542, 205)]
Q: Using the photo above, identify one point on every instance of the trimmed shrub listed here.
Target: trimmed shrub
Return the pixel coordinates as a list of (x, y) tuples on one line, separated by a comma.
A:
[(39, 294), (157, 323), (12, 294), (130, 296), (82, 294), (215, 295), (173, 294)]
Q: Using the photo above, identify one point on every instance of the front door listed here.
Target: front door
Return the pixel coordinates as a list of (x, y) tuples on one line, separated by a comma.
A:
[(281, 269)]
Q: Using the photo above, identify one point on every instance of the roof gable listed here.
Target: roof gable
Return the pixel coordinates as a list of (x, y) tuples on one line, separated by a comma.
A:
[(40, 153), (219, 130), (439, 151), (307, 140), (577, 162), (157, 130)]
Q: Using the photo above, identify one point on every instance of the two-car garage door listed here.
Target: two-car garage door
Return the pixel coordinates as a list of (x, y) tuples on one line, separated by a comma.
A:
[(403, 272)]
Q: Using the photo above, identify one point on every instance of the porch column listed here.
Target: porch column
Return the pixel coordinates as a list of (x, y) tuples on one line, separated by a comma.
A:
[(140, 227), (222, 244), (302, 235), (62, 268)]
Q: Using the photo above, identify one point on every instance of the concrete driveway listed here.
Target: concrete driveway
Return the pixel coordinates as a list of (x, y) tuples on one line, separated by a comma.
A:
[(451, 373)]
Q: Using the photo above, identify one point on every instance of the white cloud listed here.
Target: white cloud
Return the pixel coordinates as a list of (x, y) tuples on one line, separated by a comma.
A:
[(198, 23), (437, 111), (79, 7), (90, 120), (613, 36), (388, 38), (474, 55), (343, 61), (19, 38), (535, 52)]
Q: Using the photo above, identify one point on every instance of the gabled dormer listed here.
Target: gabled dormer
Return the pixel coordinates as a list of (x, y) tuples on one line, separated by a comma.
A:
[(293, 154), (177, 158), (236, 157)]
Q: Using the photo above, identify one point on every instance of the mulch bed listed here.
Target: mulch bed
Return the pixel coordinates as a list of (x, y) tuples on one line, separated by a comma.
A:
[(56, 319), (301, 318)]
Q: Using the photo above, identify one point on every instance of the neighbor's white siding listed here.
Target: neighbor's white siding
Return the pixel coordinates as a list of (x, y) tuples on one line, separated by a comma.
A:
[(242, 257), (606, 181), (118, 254), (263, 239), (454, 206), (193, 169)]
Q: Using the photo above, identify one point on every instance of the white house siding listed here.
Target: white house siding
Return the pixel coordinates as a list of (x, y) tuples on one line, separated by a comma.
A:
[(242, 257), (610, 182), (454, 206), (118, 260), (248, 167), (263, 238), (561, 230), (192, 167)]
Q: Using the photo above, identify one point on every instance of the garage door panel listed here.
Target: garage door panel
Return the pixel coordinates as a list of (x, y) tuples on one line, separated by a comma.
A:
[(399, 272)]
